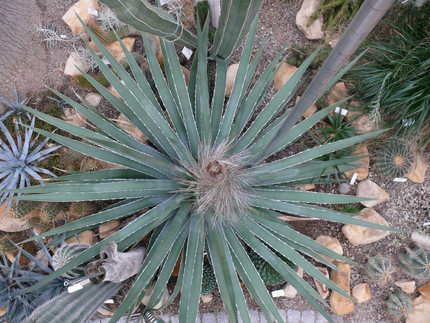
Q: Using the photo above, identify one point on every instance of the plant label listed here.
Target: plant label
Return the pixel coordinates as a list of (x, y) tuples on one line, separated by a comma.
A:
[(163, 2), (63, 36), (353, 179), (187, 52), (400, 179), (342, 111), (278, 293), (109, 301), (93, 12), (74, 288)]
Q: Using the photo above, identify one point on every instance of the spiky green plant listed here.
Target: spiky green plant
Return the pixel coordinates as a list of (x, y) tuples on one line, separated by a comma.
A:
[(379, 268), (395, 159), (64, 255), (15, 106), (299, 53), (269, 275), (201, 184), (416, 261), (208, 280), (23, 208), (399, 305)]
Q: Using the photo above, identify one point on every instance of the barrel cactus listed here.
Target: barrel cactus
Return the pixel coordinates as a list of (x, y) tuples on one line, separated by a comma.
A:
[(50, 211), (269, 275), (395, 159), (379, 268), (398, 305), (208, 280), (64, 254), (416, 262), (23, 208)]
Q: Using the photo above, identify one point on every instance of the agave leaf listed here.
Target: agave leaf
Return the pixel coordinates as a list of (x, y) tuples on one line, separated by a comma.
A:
[(218, 96)]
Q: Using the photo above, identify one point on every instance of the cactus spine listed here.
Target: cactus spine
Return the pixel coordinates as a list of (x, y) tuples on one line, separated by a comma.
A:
[(398, 305), (79, 306), (379, 268), (208, 280), (64, 255), (416, 261)]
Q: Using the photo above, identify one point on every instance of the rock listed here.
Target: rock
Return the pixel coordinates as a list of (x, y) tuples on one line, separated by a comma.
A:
[(341, 305), (331, 243), (418, 171), (113, 91), (109, 228), (283, 75), (322, 289), (73, 117), (425, 290), (344, 188), (231, 76), (126, 125), (421, 239), (407, 286), (86, 238), (72, 62), (420, 311), (370, 189), (289, 290), (112, 308), (361, 293), (207, 298), (80, 8), (116, 50), (8, 223), (363, 170), (338, 93), (355, 112), (361, 235), (3, 310), (148, 293), (305, 187), (186, 74), (313, 31), (310, 111), (93, 99), (364, 124)]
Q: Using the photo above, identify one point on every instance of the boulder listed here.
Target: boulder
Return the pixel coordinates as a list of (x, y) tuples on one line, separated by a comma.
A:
[(322, 289), (86, 238), (407, 286), (8, 223), (93, 99), (289, 290), (363, 170), (72, 62), (163, 300), (109, 228), (116, 50), (425, 290), (341, 305), (283, 75), (361, 293), (338, 93), (231, 76), (331, 243), (80, 8), (73, 117), (364, 124), (370, 189), (418, 171), (314, 30), (310, 111), (420, 311), (305, 187), (421, 239), (132, 130), (358, 235)]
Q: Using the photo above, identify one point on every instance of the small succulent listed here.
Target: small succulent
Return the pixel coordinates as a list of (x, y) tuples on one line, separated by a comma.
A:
[(395, 159), (15, 108), (299, 53), (379, 268), (416, 261), (269, 275), (49, 211), (64, 255), (18, 160), (5, 244), (208, 280), (398, 305), (22, 208)]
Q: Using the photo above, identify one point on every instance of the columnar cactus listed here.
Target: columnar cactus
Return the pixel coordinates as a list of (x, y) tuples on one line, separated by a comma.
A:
[(208, 280), (269, 275), (64, 255), (379, 268), (399, 305), (416, 261)]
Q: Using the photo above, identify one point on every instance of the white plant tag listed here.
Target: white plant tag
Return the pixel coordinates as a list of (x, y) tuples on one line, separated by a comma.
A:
[(353, 179), (187, 52), (400, 179), (93, 12), (278, 293), (163, 2), (63, 36), (109, 301), (74, 288), (342, 111), (105, 61)]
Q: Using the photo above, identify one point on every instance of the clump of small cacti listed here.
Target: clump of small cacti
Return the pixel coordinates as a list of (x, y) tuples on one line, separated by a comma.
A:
[(79, 210), (5, 244), (22, 209), (416, 261), (299, 53), (49, 212), (398, 305), (395, 159), (269, 275), (208, 280), (379, 268), (64, 254)]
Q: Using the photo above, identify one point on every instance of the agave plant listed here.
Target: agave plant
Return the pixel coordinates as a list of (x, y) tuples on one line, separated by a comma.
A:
[(202, 184), (15, 106), (18, 159)]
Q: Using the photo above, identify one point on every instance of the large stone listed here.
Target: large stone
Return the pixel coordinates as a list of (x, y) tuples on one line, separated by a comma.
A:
[(331, 243), (126, 125), (421, 239), (283, 75), (93, 99), (341, 305), (407, 286), (420, 311), (305, 187), (338, 93), (364, 123), (80, 8), (231, 76), (86, 238), (289, 290), (358, 235), (322, 288), (314, 30), (163, 300), (361, 293), (116, 50), (425, 290), (8, 223), (109, 228), (363, 163), (73, 117), (370, 189), (72, 62), (418, 171)]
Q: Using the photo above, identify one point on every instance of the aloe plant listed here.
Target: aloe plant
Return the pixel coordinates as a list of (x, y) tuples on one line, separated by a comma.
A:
[(201, 184)]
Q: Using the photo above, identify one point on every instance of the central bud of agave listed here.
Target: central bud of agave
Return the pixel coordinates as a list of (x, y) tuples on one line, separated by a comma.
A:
[(214, 168)]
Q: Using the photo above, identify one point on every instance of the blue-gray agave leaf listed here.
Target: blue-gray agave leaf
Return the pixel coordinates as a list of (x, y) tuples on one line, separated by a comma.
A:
[(15, 106)]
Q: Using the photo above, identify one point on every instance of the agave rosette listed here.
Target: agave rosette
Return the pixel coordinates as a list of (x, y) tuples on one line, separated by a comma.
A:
[(202, 180)]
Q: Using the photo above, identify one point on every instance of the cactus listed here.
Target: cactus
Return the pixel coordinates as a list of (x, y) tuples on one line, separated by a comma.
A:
[(208, 280), (64, 255), (49, 212), (379, 268), (269, 275), (300, 53), (5, 244), (79, 306), (107, 37), (395, 159), (399, 305), (23, 208), (416, 262), (80, 209)]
